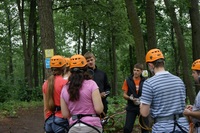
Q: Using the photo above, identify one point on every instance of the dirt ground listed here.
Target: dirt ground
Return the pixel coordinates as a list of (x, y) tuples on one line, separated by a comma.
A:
[(27, 121)]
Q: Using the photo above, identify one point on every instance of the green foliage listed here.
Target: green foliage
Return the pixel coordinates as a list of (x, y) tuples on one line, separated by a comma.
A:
[(107, 24), (4, 91), (116, 110), (10, 108)]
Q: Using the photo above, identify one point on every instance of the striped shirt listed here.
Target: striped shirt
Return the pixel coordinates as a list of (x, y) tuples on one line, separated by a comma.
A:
[(196, 107), (165, 93)]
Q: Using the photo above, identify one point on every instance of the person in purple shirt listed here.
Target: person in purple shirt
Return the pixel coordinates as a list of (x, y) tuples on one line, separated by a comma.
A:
[(80, 99)]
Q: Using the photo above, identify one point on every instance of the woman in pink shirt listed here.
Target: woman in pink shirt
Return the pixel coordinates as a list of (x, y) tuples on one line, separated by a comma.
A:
[(54, 121), (81, 100)]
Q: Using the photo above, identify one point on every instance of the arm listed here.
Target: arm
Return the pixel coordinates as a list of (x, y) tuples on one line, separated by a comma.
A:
[(194, 114), (45, 109), (125, 89), (97, 102), (106, 86), (125, 96), (144, 109), (64, 109)]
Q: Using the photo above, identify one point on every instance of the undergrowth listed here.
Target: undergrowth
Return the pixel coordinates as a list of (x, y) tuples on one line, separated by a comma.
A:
[(10, 108)]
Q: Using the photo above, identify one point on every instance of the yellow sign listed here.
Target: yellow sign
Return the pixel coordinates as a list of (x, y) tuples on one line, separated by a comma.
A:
[(49, 53)]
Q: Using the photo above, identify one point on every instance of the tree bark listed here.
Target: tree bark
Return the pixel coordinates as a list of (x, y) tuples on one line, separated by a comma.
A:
[(195, 23), (150, 18), (27, 49), (46, 28), (136, 30), (10, 53)]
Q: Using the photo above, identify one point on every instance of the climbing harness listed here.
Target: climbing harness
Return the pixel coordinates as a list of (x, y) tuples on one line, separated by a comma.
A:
[(57, 108), (78, 118), (174, 117)]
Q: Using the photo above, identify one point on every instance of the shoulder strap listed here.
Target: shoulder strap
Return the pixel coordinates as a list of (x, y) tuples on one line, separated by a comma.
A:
[(131, 85)]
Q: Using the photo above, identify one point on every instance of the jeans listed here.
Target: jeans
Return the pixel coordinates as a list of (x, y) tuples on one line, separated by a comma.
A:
[(56, 125)]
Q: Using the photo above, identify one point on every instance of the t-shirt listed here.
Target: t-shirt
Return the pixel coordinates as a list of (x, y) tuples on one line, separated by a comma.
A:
[(125, 85), (165, 93), (84, 105), (59, 82), (196, 107)]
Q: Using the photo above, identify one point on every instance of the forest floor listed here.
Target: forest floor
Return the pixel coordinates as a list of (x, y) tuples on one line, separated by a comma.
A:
[(27, 121)]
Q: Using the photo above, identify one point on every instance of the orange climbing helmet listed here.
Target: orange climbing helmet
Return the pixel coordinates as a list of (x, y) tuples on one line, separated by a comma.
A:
[(196, 65), (57, 61), (77, 61), (153, 55), (67, 62)]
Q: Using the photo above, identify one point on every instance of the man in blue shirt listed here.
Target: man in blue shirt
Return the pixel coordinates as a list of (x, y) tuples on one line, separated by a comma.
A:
[(163, 96), (193, 111)]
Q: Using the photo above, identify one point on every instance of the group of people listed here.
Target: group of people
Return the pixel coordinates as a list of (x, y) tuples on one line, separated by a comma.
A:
[(74, 95), (162, 96)]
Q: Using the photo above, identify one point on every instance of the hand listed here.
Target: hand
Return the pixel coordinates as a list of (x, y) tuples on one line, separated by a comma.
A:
[(136, 101), (186, 112), (103, 94), (190, 107)]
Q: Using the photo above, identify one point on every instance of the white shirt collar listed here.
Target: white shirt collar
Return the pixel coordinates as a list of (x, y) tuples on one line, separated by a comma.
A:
[(162, 72)]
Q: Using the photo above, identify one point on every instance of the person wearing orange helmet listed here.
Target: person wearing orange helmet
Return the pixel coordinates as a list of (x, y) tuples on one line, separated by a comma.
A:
[(193, 111), (67, 69), (81, 100), (54, 121), (163, 96)]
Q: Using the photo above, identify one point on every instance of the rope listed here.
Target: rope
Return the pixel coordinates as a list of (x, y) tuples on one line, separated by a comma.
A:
[(107, 119), (143, 125)]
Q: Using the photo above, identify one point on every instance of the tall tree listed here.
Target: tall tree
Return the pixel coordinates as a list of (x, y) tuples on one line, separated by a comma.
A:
[(151, 29), (35, 43), (27, 44), (195, 23), (46, 27), (10, 46), (182, 51), (136, 30)]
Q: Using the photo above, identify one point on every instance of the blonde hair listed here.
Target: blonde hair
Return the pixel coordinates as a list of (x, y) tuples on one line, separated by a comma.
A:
[(88, 55), (50, 87)]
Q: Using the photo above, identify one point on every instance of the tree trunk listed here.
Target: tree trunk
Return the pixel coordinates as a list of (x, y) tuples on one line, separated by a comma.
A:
[(131, 58), (84, 34), (46, 28), (175, 54), (26, 49), (31, 23), (182, 51), (114, 64), (195, 23), (11, 75), (151, 30), (79, 38), (84, 37), (136, 30), (35, 62)]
